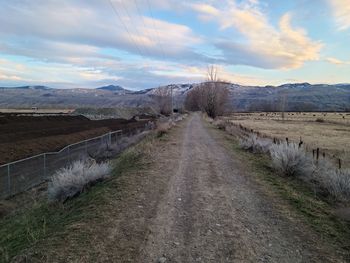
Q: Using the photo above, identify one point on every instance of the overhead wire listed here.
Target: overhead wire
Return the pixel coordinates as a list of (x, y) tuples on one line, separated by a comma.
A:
[(136, 29), (126, 29), (156, 30)]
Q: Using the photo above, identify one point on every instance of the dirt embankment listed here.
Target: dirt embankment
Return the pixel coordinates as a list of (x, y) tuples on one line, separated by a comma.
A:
[(24, 136)]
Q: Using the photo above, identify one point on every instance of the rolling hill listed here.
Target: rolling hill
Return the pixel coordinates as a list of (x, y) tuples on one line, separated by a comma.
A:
[(299, 96)]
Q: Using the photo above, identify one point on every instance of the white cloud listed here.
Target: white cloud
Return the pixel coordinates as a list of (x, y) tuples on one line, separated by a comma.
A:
[(85, 41), (95, 24), (199, 74), (264, 45), (337, 61), (341, 11)]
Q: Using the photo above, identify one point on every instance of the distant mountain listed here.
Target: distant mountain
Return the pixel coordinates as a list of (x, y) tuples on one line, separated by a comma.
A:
[(298, 96), (114, 88), (177, 89), (27, 87)]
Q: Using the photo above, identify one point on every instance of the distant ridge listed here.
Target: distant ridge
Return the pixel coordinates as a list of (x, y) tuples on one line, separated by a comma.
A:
[(114, 88), (299, 96), (36, 87)]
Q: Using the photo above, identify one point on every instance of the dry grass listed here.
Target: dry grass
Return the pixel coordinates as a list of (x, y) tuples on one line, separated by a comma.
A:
[(256, 145), (106, 153), (332, 136), (290, 160), (336, 182), (163, 126), (330, 117), (71, 181)]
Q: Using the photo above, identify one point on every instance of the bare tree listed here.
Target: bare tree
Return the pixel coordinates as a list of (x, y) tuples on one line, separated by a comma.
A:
[(210, 97), (162, 97)]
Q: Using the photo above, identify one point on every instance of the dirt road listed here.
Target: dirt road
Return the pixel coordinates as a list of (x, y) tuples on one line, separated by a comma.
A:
[(212, 212), (196, 201)]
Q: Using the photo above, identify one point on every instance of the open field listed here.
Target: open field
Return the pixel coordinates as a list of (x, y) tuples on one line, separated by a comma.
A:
[(24, 136), (36, 111), (328, 131)]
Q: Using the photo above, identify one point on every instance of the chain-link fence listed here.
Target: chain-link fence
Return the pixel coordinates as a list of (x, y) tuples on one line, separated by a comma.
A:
[(21, 175)]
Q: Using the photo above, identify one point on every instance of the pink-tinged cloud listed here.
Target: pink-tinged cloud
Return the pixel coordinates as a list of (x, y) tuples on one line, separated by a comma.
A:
[(341, 12), (264, 45)]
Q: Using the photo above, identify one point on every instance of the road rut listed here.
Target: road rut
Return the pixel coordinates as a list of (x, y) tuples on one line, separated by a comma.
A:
[(212, 211)]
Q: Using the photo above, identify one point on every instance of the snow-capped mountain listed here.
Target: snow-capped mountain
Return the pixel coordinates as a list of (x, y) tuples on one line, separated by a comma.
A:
[(177, 89), (299, 96), (115, 89)]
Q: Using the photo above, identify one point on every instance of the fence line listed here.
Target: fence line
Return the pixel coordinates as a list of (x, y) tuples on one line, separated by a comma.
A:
[(21, 175), (316, 152)]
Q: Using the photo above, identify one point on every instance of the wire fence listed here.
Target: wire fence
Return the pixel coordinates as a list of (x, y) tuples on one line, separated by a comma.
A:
[(243, 132), (21, 175)]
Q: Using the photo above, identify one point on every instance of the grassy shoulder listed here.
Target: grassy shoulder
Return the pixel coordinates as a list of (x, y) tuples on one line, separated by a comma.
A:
[(298, 200), (45, 226)]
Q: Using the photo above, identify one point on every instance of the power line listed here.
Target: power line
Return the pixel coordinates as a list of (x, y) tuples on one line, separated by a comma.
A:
[(156, 30), (131, 21), (139, 13), (126, 28), (142, 20)]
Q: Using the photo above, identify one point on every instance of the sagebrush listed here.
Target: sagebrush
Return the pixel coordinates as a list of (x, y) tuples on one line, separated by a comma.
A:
[(291, 160), (255, 144), (70, 181), (335, 181)]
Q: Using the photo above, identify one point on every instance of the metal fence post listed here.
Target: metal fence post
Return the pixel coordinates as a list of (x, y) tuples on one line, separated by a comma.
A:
[(8, 179)]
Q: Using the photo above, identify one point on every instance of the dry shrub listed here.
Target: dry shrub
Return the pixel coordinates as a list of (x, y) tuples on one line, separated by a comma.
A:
[(255, 144), (71, 181), (220, 124), (335, 181), (290, 160), (180, 117), (110, 151), (162, 98), (163, 127)]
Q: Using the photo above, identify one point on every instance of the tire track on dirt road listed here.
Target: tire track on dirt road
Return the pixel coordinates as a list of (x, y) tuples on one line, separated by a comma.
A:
[(213, 211)]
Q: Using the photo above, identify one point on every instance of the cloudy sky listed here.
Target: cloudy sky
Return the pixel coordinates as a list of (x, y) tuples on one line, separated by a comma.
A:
[(145, 43)]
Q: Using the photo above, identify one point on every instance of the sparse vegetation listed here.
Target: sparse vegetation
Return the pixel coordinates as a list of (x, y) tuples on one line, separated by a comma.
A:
[(110, 151), (71, 181), (163, 99), (291, 160), (162, 128), (254, 144), (332, 136), (221, 124), (46, 225), (317, 211), (335, 181)]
